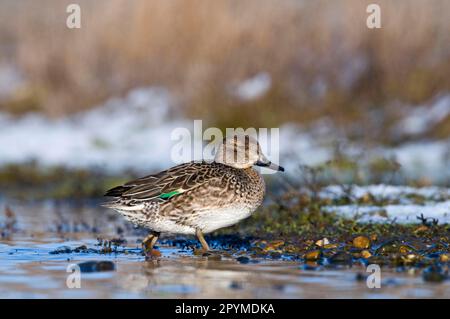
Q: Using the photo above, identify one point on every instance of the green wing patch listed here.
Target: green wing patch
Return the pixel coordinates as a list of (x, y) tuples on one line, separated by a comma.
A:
[(170, 194)]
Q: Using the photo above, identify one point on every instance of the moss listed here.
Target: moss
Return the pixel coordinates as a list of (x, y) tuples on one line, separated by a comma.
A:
[(389, 244)]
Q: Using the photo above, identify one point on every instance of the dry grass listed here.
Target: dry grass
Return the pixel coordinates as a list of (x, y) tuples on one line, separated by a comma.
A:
[(198, 48)]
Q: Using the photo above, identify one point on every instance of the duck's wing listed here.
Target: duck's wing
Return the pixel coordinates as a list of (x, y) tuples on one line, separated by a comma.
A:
[(167, 184)]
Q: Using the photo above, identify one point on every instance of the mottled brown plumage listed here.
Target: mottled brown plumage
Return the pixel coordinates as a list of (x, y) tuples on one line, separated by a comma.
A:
[(196, 197)]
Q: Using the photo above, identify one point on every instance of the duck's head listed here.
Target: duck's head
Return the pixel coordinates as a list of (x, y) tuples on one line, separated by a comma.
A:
[(243, 151)]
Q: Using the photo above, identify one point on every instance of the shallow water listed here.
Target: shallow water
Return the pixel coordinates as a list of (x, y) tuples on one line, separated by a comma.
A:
[(29, 270)]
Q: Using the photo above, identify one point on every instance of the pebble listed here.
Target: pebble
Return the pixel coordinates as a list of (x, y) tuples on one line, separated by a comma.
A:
[(322, 242), (313, 255), (361, 242), (341, 258), (434, 274), (444, 258), (365, 254), (61, 250), (243, 260)]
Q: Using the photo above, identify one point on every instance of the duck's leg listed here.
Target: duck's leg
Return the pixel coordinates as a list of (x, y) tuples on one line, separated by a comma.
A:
[(202, 240), (150, 241)]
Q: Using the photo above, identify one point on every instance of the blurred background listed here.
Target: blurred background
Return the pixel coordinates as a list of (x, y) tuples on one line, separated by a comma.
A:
[(371, 105)]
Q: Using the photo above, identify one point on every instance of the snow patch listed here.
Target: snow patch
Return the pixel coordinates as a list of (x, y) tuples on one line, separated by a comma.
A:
[(123, 133), (383, 191), (425, 117), (135, 132), (436, 203), (254, 87), (403, 214), (11, 80)]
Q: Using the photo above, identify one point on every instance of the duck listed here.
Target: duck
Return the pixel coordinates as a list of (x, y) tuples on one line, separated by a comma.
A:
[(197, 197)]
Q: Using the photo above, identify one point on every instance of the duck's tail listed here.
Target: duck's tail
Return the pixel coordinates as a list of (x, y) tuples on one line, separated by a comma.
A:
[(110, 204), (123, 205)]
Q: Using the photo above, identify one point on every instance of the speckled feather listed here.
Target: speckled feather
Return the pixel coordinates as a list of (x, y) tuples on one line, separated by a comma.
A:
[(198, 195)]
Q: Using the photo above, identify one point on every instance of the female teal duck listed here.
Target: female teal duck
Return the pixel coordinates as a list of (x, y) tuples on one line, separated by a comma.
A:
[(197, 197)]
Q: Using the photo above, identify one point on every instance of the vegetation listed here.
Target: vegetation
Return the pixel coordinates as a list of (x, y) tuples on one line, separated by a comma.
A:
[(322, 59), (32, 182)]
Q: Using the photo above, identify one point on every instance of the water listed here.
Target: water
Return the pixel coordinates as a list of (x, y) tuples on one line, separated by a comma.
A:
[(28, 269)]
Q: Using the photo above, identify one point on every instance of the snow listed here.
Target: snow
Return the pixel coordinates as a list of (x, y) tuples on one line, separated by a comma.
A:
[(436, 203), (296, 146), (419, 159), (383, 191), (425, 117), (254, 87), (403, 214), (123, 133), (136, 131), (423, 158), (131, 132), (11, 80)]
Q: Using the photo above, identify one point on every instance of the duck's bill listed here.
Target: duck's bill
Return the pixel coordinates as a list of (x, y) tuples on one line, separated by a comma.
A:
[(270, 165)]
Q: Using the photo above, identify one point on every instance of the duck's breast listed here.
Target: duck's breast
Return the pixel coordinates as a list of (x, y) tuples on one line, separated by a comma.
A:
[(211, 220)]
